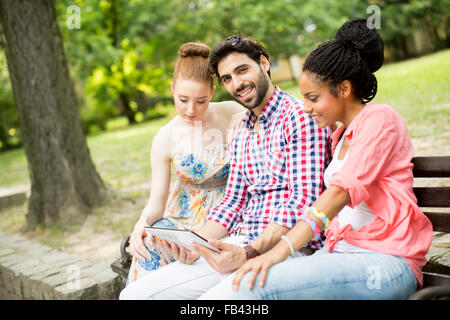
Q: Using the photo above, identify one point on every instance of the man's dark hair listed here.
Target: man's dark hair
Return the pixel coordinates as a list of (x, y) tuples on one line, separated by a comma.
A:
[(236, 43)]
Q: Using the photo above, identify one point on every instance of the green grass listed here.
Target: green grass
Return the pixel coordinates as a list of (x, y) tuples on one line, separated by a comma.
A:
[(418, 89), (13, 168), (121, 156)]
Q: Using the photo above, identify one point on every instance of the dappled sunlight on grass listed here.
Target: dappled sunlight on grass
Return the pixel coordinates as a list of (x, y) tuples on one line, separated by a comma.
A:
[(105, 226), (13, 218), (14, 168), (122, 157), (418, 89)]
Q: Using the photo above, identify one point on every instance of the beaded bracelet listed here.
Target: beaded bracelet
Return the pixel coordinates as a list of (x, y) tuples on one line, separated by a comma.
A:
[(311, 211), (314, 227), (319, 215)]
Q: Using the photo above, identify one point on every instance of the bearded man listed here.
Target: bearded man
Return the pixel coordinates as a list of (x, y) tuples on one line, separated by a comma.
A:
[(277, 163)]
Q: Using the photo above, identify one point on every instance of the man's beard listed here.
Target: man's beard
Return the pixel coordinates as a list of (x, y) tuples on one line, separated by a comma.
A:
[(261, 87)]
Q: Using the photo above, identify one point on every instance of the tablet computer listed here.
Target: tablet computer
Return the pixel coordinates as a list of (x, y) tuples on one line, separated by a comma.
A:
[(182, 237)]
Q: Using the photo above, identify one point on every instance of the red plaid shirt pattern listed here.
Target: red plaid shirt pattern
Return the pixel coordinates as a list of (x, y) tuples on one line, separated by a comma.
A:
[(275, 173)]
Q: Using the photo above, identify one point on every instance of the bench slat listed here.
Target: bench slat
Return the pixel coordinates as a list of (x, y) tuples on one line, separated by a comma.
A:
[(432, 167), (434, 197), (440, 221), (435, 279)]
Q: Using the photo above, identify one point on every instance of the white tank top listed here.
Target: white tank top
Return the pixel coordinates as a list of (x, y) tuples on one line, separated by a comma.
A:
[(356, 217)]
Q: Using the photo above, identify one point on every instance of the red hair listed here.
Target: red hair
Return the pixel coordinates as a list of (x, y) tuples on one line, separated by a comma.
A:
[(192, 63)]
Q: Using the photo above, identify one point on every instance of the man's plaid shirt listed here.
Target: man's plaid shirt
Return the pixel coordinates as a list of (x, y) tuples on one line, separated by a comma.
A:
[(275, 173)]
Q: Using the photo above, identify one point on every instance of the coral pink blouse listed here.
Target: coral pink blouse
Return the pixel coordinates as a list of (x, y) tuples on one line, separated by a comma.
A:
[(378, 170)]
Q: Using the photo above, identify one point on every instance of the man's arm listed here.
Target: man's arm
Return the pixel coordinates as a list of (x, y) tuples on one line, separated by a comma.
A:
[(305, 157), (212, 230), (305, 152), (269, 237)]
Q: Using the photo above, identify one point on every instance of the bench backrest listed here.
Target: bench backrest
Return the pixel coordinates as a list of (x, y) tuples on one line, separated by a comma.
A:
[(435, 283), (433, 197)]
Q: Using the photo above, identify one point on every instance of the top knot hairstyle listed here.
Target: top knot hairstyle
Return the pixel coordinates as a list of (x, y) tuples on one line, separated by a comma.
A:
[(354, 55), (192, 63), (236, 43)]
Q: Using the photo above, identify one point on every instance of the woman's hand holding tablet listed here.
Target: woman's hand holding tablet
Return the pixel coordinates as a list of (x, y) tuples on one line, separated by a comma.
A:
[(182, 237)]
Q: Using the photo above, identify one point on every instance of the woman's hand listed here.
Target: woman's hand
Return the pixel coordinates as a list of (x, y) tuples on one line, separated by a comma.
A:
[(260, 264), (137, 241), (181, 254)]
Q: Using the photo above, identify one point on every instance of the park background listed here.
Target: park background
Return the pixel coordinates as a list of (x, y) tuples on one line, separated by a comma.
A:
[(121, 53)]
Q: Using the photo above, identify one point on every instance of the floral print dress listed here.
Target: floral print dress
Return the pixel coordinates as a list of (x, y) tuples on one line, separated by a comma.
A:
[(200, 185)]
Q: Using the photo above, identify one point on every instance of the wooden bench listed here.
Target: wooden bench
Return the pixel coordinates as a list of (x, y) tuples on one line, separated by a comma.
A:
[(436, 281), (122, 265)]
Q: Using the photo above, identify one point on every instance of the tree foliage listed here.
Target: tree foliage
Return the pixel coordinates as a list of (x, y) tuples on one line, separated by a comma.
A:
[(121, 58), (9, 122)]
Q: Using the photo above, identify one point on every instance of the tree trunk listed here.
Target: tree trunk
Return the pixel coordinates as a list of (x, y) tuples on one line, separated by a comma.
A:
[(64, 181), (125, 108), (402, 49), (114, 15), (141, 101)]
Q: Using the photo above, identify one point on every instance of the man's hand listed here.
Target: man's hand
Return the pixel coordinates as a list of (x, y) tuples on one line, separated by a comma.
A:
[(182, 254), (229, 259)]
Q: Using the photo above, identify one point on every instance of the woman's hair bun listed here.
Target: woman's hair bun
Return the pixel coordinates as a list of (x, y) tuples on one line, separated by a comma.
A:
[(192, 63), (357, 34), (194, 50)]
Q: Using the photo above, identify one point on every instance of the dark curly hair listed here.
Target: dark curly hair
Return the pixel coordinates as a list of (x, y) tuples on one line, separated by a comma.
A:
[(236, 43), (354, 55)]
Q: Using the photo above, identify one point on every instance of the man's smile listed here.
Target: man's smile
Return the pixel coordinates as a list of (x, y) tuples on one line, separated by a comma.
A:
[(245, 93)]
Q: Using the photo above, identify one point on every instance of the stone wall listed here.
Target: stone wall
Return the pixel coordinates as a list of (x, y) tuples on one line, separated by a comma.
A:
[(438, 256), (30, 270)]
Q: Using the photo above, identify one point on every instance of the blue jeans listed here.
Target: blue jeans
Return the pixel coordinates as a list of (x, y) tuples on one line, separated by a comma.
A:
[(329, 276)]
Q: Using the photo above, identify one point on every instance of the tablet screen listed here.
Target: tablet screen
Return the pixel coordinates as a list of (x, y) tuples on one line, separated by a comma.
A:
[(181, 237)]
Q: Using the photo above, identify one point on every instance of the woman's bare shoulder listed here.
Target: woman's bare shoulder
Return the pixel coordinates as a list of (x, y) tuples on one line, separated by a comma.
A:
[(166, 130), (164, 135), (227, 108)]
